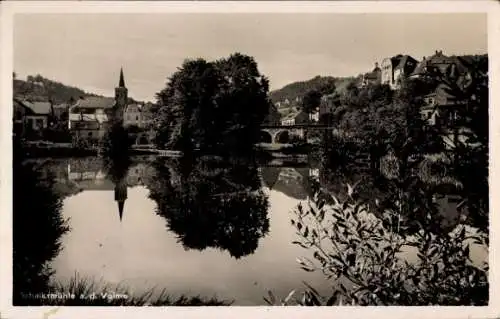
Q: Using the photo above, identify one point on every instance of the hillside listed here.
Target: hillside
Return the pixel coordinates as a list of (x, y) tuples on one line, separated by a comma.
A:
[(296, 90), (38, 88)]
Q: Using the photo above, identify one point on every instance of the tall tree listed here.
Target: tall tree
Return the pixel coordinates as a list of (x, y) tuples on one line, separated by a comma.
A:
[(311, 101), (212, 105)]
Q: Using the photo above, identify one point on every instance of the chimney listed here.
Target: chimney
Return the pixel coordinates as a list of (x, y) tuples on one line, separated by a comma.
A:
[(376, 64)]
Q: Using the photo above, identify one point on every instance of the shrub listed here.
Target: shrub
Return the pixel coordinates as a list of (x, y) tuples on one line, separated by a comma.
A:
[(366, 257)]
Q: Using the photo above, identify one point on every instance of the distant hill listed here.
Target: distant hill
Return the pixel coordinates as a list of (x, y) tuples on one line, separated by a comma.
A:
[(38, 88), (298, 89), (293, 92)]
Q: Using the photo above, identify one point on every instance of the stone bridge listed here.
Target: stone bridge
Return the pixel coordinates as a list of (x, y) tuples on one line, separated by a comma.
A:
[(281, 134)]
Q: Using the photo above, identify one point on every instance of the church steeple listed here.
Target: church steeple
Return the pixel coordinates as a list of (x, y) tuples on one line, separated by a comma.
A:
[(122, 80), (121, 98)]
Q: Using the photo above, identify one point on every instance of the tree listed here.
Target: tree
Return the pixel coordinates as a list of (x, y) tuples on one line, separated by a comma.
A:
[(41, 218), (311, 101), (212, 105), (207, 205)]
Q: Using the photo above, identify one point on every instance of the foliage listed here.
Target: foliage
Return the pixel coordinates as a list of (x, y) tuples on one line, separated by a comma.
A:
[(209, 204), (367, 258), (213, 105), (39, 88), (116, 141), (322, 84), (311, 101), (89, 292), (37, 227)]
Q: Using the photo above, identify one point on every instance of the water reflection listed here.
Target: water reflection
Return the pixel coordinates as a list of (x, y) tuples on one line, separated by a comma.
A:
[(210, 203), (37, 229), (117, 172), (233, 205)]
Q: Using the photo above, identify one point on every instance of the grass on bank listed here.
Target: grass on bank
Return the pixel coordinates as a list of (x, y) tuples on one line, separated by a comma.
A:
[(81, 291)]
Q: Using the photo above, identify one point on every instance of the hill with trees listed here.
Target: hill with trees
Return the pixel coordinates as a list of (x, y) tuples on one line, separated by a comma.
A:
[(294, 92), (39, 88)]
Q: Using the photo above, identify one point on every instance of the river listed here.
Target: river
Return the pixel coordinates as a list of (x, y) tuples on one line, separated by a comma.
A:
[(205, 228)]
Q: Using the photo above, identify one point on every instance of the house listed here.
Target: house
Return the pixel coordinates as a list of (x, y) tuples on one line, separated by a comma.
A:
[(31, 117), (89, 116), (441, 106), (132, 115), (454, 69), (372, 78), (294, 118), (397, 68), (139, 115)]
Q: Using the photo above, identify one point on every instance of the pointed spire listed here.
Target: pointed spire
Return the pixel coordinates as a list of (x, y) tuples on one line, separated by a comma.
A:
[(122, 80), (120, 208)]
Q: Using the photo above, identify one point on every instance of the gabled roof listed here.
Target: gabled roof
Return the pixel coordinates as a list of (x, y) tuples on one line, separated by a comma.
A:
[(95, 102), (403, 61), (133, 108), (39, 108), (292, 115)]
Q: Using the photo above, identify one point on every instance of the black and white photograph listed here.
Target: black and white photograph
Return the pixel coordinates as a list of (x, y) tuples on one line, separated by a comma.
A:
[(248, 158)]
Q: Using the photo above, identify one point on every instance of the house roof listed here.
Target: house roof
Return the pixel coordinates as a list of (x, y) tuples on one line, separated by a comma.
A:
[(442, 61), (291, 115), (40, 108), (403, 61), (61, 106), (133, 108), (96, 102)]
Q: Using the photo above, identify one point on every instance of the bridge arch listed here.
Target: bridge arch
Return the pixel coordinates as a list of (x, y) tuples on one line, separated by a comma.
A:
[(265, 137), (281, 136), (142, 139)]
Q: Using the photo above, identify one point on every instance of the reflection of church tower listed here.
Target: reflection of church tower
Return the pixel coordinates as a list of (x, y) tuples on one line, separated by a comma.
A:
[(121, 195), (121, 97)]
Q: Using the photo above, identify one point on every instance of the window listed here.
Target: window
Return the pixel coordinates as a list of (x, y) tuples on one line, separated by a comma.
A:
[(137, 118), (90, 134)]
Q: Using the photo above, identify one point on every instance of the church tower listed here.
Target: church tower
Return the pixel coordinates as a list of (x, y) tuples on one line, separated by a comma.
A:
[(121, 97)]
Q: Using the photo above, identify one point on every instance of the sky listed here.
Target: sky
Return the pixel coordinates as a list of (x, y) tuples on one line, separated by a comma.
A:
[(87, 50)]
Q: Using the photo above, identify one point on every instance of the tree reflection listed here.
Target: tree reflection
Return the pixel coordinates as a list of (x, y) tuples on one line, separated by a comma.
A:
[(37, 228), (210, 204)]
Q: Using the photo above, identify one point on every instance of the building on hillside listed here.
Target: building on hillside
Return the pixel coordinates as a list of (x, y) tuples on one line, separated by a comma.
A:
[(441, 107), (294, 118), (372, 78), (397, 68), (454, 69)]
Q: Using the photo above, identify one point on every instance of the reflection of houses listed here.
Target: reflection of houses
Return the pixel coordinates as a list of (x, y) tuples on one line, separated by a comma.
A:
[(89, 174), (294, 118), (293, 182), (397, 68)]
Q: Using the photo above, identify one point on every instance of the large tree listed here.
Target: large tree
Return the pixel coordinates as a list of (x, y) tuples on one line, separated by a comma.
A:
[(213, 105), (311, 101)]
